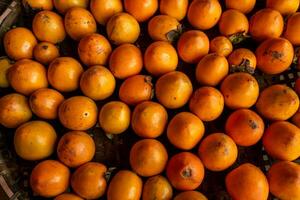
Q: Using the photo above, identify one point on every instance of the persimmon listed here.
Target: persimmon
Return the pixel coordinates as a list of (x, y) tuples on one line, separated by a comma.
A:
[(148, 157), (192, 46), (195, 195), (125, 185), (282, 141), (75, 148), (49, 178), (88, 50), (176, 9), (274, 55), (277, 102), (45, 52), (212, 69), (185, 171), (136, 89), (78, 113), (38, 5), (157, 187), (35, 140), (88, 181), (221, 45), (296, 119), (68, 196), (149, 119), (292, 30), (245, 127), (240, 90), (160, 58), (44, 103), (245, 6), (14, 110), (284, 180), (102, 10), (173, 89), (79, 23), (116, 32), (127, 55), (97, 82), (114, 117), (207, 103), (284, 7), (233, 22), (26, 76), (160, 26), (19, 43), (48, 27), (204, 14), (244, 58), (64, 74), (185, 130), (141, 10), (266, 23), (62, 6), (247, 181), (5, 64)]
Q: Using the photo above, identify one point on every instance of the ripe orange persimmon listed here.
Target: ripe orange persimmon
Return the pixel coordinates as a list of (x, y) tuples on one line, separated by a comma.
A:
[(157, 187), (195, 195), (38, 5), (221, 45), (177, 8), (292, 30), (68, 196), (284, 7), (141, 10), (105, 9), (45, 52), (242, 57), (62, 6), (245, 6)]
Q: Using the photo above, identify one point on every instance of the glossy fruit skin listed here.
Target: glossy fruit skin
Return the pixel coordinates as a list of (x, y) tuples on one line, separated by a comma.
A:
[(148, 157), (136, 89), (5, 64), (14, 110), (64, 74), (141, 10), (102, 10), (157, 187), (284, 7), (68, 196), (212, 69), (79, 23), (88, 181), (160, 26), (114, 117), (284, 180), (265, 24), (48, 27), (35, 140), (240, 90), (97, 82), (19, 43), (245, 127), (204, 14), (221, 45), (245, 6), (64, 5), (116, 32), (233, 22), (217, 152), (75, 148), (207, 99), (277, 102), (185, 171), (193, 195), (296, 119), (125, 185), (44, 103), (240, 56), (282, 141), (160, 58), (247, 181), (127, 55), (49, 178), (192, 46), (185, 130), (78, 113), (176, 9), (88, 50), (45, 52), (149, 119), (39, 5), (274, 55), (26, 76), (292, 30)]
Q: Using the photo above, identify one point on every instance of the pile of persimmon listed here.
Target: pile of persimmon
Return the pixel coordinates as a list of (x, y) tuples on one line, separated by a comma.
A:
[(222, 73)]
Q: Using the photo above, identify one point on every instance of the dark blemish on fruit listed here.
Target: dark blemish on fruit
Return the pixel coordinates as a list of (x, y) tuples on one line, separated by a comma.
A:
[(45, 47), (186, 173), (252, 124)]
